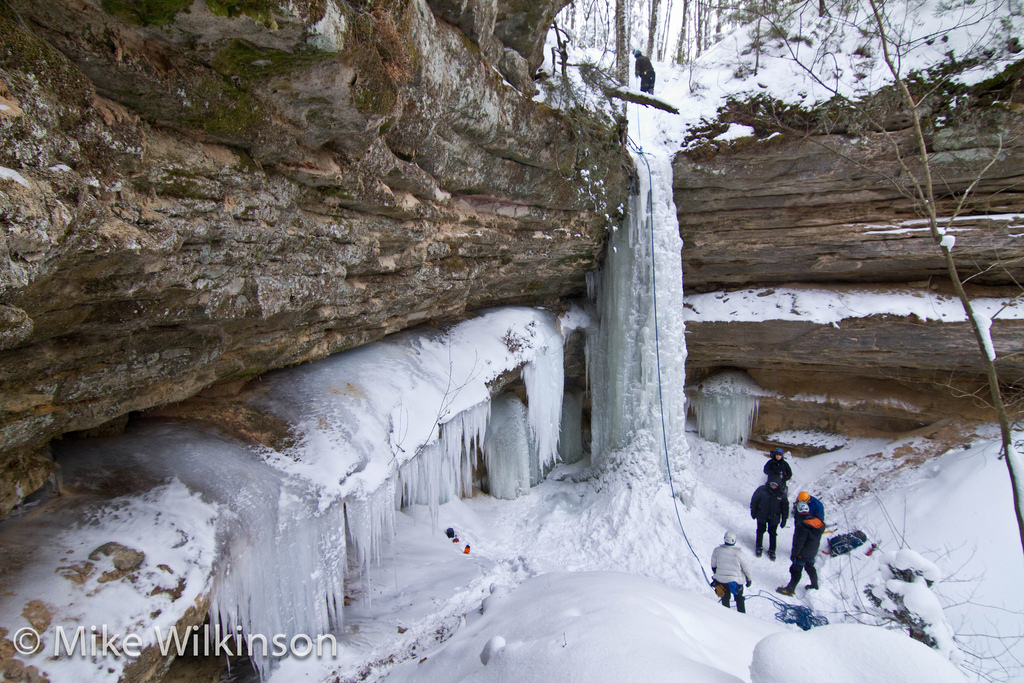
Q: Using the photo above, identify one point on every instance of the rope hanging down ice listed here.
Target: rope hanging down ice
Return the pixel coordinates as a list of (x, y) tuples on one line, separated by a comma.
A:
[(787, 613), (657, 353)]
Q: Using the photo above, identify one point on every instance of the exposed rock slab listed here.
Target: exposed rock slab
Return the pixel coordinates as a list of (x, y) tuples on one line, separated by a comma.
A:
[(839, 210), (207, 197), (883, 347)]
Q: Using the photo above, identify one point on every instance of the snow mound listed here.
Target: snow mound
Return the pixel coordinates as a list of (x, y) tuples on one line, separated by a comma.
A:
[(595, 626), (850, 653)]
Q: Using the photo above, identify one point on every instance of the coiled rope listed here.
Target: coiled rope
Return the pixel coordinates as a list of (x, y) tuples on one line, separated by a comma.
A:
[(794, 614)]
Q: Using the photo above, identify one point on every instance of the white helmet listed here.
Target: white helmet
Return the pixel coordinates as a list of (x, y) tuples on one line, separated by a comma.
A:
[(730, 538)]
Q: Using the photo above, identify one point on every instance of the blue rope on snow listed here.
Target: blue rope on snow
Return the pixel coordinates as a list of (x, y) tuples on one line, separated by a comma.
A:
[(657, 354), (802, 616)]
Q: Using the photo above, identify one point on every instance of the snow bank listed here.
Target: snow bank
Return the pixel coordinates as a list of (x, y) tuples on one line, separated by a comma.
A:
[(63, 582), (594, 627), (848, 653)]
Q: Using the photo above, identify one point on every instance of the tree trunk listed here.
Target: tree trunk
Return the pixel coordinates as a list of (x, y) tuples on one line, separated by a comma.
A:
[(698, 29), (621, 46), (652, 28), (682, 49), (664, 32), (983, 338)]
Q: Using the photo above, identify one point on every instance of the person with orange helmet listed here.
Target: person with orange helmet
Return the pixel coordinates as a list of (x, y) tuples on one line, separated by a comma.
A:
[(817, 509), (807, 531)]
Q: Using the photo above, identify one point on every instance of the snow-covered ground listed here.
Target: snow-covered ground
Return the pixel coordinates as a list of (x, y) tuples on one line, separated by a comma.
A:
[(599, 573), (531, 561)]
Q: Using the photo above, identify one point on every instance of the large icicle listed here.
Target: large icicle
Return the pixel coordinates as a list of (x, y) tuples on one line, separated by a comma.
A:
[(544, 377), (626, 364)]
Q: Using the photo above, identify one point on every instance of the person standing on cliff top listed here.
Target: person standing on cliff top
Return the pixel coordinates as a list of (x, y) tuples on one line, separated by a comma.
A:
[(645, 71)]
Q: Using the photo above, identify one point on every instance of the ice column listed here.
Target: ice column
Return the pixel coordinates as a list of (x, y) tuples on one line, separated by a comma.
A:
[(507, 449), (570, 440), (725, 407), (625, 364)]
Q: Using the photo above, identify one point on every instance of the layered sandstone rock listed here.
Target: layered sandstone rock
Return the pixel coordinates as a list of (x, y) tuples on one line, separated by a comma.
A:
[(836, 213), (211, 190), (840, 210)]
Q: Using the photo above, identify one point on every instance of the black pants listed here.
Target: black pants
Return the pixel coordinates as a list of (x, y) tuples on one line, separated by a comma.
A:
[(796, 570), (772, 529), (741, 605), (647, 82)]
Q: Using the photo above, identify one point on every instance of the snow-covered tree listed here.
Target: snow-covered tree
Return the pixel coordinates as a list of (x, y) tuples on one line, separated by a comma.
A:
[(901, 595)]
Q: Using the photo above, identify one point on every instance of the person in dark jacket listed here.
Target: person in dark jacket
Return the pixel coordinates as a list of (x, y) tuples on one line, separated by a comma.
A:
[(778, 467), (770, 507), (645, 71), (807, 532)]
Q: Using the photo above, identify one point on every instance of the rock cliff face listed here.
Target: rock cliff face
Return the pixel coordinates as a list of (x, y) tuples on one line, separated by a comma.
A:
[(837, 213), (198, 191)]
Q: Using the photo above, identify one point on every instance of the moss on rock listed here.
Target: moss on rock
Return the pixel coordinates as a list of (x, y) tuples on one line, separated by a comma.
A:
[(381, 54), (249, 63), (20, 50), (145, 12), (260, 10)]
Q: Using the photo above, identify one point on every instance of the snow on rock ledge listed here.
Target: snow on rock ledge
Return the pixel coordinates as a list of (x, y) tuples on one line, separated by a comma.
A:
[(877, 332)]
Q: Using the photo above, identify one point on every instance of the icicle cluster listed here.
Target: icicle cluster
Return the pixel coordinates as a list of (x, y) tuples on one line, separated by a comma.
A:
[(725, 407), (444, 469), (282, 572)]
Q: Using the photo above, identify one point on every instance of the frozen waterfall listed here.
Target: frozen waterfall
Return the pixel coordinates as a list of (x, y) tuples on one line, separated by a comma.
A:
[(725, 407), (625, 366)]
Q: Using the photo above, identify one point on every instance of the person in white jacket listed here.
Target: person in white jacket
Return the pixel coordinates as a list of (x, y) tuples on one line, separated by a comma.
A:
[(731, 572)]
